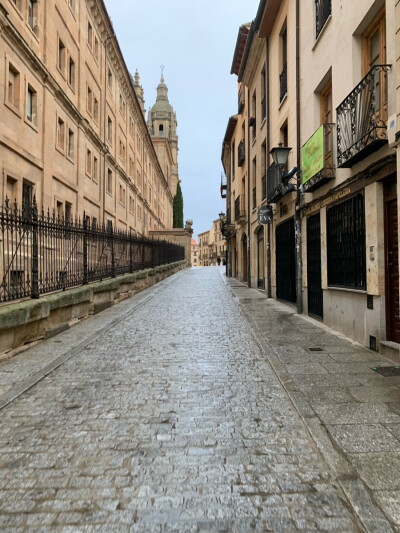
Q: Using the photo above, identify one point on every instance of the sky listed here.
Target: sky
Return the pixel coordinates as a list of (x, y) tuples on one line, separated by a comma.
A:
[(195, 42)]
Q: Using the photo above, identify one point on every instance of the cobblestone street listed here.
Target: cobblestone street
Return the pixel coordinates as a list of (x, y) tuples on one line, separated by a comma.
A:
[(165, 416)]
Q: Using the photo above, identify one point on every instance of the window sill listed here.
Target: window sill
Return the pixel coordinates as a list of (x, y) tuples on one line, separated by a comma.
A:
[(34, 33), (263, 122), (344, 289), (253, 142), (71, 159), (109, 194), (12, 108), (282, 101), (31, 125), (318, 38), (60, 150)]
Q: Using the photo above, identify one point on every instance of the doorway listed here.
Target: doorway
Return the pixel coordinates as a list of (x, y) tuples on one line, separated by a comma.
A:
[(244, 258), (314, 289), (285, 262), (260, 259), (392, 262)]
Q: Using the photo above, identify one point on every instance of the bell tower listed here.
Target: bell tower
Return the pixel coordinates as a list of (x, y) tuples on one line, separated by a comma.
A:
[(162, 126)]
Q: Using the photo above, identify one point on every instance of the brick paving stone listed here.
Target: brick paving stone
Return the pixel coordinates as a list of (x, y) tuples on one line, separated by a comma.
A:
[(171, 420)]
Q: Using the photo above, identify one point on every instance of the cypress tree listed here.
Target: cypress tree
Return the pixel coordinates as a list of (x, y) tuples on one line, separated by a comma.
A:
[(178, 208)]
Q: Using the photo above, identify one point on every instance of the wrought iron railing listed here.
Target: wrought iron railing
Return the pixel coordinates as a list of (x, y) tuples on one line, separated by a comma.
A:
[(361, 118), (283, 82), (239, 207), (41, 252), (241, 153), (274, 183), (323, 9)]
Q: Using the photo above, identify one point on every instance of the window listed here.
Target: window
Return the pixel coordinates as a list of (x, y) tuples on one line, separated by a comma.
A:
[(61, 55), (96, 48), (323, 9), (109, 130), (346, 244), (11, 188), (161, 130), (17, 3), (13, 86), (253, 117), (60, 134), (68, 212), (326, 118), (109, 181), (283, 75), (131, 205), (90, 35), (95, 109), (254, 178), (89, 103), (71, 72), (263, 98), (88, 162), (72, 5), (31, 105), (110, 79), (95, 168), (70, 147), (32, 15), (122, 195), (27, 195), (374, 53)]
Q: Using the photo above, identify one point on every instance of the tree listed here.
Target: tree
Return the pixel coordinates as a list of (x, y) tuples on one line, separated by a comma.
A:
[(178, 208)]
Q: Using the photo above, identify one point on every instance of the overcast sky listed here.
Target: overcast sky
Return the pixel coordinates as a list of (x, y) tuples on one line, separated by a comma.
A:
[(195, 41)]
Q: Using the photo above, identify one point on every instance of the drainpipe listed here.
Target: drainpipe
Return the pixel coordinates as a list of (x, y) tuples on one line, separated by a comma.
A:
[(248, 190), (299, 267), (268, 148)]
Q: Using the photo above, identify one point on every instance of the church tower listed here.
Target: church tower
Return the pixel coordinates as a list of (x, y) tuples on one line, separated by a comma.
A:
[(162, 126)]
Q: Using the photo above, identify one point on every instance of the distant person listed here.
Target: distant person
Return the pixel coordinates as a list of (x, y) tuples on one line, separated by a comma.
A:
[(218, 261)]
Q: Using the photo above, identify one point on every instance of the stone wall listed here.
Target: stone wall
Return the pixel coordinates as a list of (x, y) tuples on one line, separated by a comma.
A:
[(29, 321)]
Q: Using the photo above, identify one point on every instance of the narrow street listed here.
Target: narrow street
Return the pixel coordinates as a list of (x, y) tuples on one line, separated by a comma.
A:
[(194, 407)]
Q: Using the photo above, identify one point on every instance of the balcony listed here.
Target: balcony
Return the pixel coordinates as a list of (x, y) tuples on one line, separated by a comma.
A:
[(240, 210), (362, 118), (275, 188), (241, 153), (317, 158), (241, 100), (323, 9), (283, 82)]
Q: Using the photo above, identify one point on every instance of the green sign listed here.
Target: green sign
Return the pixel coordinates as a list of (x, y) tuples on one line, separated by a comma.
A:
[(313, 155)]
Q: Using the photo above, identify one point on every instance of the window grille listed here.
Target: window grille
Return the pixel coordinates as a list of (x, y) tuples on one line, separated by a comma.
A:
[(346, 244)]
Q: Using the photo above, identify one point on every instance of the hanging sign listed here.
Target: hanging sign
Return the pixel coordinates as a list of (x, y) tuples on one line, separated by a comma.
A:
[(265, 214)]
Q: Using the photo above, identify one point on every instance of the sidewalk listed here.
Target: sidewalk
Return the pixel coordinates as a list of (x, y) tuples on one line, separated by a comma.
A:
[(352, 412)]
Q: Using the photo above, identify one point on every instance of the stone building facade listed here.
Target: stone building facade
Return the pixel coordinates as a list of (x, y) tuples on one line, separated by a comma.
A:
[(212, 245), (195, 253), (322, 79), (73, 131)]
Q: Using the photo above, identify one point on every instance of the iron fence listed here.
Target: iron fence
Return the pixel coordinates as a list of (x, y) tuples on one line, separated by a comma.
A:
[(41, 252)]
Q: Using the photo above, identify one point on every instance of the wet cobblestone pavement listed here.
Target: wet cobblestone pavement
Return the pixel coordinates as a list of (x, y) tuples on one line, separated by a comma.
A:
[(170, 420)]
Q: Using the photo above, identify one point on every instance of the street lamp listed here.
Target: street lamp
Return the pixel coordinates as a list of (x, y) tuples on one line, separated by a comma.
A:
[(280, 155), (221, 216)]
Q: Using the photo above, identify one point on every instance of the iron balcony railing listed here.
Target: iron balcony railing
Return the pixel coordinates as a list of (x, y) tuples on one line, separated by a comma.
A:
[(41, 252), (323, 9), (240, 211), (361, 118), (283, 82), (241, 100), (241, 153)]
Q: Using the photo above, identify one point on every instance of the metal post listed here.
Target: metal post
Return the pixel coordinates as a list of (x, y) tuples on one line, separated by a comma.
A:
[(130, 252), (35, 260), (85, 250), (112, 252)]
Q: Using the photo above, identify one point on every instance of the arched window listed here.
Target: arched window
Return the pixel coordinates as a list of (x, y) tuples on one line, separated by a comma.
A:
[(161, 129)]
